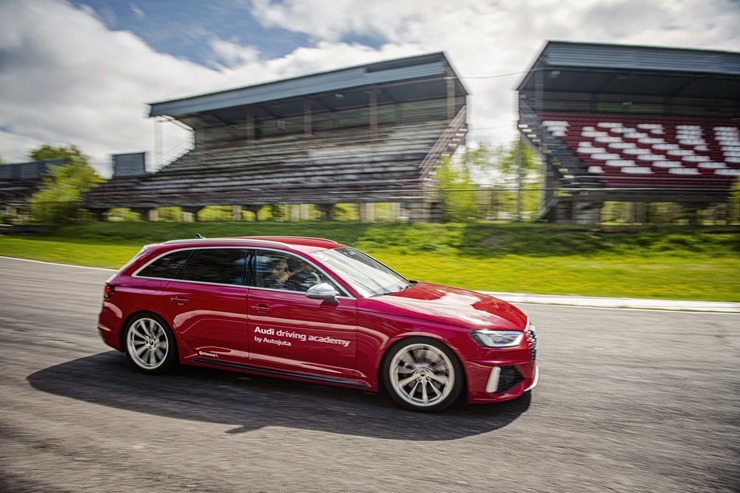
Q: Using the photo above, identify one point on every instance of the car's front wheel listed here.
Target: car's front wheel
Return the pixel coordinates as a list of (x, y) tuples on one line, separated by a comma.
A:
[(150, 344), (422, 375)]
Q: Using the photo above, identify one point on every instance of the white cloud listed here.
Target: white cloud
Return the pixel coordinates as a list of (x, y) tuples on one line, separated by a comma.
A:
[(232, 54), (67, 79), (140, 14)]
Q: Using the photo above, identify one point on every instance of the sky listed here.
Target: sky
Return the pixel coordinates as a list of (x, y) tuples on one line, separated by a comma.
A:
[(83, 72)]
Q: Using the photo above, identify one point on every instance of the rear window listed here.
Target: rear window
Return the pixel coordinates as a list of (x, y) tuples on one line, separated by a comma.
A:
[(166, 267), (216, 265)]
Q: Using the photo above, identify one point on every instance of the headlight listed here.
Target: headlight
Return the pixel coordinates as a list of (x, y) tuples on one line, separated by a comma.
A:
[(497, 338)]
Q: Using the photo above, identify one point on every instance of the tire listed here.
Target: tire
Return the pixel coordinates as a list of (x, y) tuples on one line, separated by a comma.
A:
[(150, 345), (422, 375)]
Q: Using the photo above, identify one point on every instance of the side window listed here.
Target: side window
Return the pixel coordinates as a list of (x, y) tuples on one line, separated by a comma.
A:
[(271, 269), (166, 267), (217, 265), (280, 270)]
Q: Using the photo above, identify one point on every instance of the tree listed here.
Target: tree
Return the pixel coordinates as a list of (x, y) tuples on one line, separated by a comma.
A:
[(456, 191), (735, 201), (64, 186), (499, 171)]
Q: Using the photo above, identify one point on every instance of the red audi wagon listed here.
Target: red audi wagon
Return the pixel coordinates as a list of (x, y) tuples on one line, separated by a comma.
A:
[(314, 310)]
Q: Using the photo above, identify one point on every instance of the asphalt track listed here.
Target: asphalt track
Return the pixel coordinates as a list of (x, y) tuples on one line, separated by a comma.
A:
[(628, 401)]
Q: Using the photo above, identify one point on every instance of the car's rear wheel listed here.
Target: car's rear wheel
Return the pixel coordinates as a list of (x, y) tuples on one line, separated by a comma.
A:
[(422, 375), (150, 344)]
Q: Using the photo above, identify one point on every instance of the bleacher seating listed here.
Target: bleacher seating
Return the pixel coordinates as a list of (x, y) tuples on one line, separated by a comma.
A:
[(20, 181), (17, 190), (651, 151), (289, 168)]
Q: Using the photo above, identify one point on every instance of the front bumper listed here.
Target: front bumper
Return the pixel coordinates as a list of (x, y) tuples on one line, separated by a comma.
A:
[(513, 373), (500, 381)]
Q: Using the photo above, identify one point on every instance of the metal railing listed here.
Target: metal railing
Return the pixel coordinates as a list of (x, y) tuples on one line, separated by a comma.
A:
[(439, 149)]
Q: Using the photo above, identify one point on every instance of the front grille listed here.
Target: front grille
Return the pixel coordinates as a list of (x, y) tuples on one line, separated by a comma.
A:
[(508, 379), (531, 334)]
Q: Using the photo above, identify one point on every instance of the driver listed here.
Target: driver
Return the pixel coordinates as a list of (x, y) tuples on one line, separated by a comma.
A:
[(279, 274), (302, 275)]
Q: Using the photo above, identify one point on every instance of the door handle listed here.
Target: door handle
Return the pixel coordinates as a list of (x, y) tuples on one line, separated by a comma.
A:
[(179, 300), (261, 308)]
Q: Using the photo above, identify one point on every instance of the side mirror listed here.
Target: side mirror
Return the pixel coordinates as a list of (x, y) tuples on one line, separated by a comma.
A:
[(323, 291)]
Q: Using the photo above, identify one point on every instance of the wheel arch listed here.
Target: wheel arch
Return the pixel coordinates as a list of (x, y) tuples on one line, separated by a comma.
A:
[(133, 315), (172, 352), (387, 351)]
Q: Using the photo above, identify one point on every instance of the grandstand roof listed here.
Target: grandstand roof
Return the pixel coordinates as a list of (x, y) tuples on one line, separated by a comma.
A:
[(405, 79), (638, 70), (31, 170), (19, 181)]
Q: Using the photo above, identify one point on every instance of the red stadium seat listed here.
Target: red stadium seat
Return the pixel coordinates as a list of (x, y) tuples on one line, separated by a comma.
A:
[(648, 150)]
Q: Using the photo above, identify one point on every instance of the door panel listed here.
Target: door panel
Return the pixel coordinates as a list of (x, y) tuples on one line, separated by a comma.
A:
[(207, 304), (210, 319), (290, 332)]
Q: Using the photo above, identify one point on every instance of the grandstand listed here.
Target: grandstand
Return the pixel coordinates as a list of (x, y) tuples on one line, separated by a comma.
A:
[(631, 124), (20, 181), (363, 135)]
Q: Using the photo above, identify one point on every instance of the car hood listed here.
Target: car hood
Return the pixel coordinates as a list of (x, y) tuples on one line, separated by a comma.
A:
[(454, 306)]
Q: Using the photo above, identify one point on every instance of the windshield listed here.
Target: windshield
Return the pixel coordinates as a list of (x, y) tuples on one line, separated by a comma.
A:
[(365, 274)]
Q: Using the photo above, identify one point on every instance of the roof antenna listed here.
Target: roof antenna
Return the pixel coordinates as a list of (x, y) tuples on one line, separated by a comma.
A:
[(199, 236)]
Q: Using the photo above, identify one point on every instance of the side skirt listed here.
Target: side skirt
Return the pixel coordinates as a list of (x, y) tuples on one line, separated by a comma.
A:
[(289, 374)]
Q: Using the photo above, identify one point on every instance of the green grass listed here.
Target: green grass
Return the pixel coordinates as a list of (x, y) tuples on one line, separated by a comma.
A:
[(67, 252), (670, 263)]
